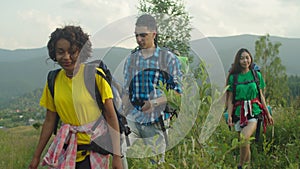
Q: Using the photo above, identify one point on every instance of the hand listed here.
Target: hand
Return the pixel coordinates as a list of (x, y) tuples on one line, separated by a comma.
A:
[(34, 163), (270, 119), (148, 107), (229, 121), (117, 162)]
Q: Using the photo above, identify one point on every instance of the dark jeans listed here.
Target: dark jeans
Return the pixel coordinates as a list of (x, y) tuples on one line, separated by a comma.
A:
[(85, 164)]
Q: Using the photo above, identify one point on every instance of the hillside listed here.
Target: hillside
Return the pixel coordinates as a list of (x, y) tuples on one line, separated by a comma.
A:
[(25, 70), (228, 46)]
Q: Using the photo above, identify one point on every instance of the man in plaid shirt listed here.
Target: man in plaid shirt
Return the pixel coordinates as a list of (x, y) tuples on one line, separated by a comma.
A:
[(144, 69)]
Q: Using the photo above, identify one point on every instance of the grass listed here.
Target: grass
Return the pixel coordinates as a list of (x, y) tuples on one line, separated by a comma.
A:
[(17, 146), (280, 150)]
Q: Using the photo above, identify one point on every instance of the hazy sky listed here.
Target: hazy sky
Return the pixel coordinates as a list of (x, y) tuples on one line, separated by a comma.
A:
[(28, 23)]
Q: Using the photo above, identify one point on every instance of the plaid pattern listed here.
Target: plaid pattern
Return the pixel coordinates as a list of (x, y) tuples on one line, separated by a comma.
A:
[(144, 81), (57, 157)]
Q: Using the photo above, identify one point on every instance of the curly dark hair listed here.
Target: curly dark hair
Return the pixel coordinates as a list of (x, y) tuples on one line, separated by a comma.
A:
[(75, 36)]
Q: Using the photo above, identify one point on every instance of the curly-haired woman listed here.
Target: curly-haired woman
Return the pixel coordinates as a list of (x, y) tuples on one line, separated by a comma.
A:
[(70, 47)]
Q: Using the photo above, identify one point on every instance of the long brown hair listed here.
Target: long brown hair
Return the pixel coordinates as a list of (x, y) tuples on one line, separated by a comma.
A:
[(236, 67)]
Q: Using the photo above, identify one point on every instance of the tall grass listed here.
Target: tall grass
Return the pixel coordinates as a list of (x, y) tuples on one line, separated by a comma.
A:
[(278, 148), (17, 146)]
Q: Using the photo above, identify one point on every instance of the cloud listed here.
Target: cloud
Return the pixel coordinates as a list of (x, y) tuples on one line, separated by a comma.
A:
[(106, 10), (35, 28), (223, 18), (96, 14), (30, 23), (40, 19)]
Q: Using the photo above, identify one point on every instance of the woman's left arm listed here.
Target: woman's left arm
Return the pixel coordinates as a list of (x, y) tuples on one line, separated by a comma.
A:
[(263, 101), (113, 127)]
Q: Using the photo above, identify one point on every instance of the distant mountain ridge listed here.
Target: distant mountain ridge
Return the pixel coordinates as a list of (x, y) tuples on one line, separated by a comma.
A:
[(24, 70), (288, 51)]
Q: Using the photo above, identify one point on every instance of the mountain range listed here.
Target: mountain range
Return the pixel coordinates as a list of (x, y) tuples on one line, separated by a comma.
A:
[(24, 70)]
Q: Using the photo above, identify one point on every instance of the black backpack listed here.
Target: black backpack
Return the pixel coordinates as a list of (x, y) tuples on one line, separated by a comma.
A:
[(162, 69), (89, 74)]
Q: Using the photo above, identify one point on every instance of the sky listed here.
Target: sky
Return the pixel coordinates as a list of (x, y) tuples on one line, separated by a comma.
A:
[(28, 24)]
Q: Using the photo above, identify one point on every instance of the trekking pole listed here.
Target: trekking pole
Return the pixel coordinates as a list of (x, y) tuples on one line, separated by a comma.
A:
[(225, 113), (127, 132), (272, 132), (257, 133), (163, 128)]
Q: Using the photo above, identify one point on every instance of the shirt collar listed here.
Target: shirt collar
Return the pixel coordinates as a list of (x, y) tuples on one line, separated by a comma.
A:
[(156, 52)]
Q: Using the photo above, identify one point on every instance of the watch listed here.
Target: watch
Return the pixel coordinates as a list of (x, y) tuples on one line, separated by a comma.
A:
[(154, 102)]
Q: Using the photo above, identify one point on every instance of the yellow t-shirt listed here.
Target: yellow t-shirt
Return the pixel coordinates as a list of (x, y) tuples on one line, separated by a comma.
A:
[(78, 107)]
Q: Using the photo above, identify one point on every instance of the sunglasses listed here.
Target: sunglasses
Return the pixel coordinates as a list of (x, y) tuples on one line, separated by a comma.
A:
[(141, 35)]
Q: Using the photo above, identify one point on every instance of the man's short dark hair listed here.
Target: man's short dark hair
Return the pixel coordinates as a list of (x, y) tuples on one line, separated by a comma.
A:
[(147, 21)]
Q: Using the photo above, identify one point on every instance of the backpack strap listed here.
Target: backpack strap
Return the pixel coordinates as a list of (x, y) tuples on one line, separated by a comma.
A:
[(163, 59), (51, 83), (51, 80), (256, 79), (163, 69), (235, 83), (260, 120), (132, 65), (97, 92), (90, 83), (163, 64), (92, 87)]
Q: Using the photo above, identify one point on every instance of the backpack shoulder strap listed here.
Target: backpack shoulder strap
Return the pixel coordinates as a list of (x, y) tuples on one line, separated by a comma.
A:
[(163, 59), (97, 91), (256, 79), (51, 80), (91, 86), (163, 63), (132, 65), (89, 78), (107, 76), (235, 83), (90, 83)]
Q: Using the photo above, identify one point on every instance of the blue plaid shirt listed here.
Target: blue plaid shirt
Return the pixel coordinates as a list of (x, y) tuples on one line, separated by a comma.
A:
[(142, 79)]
